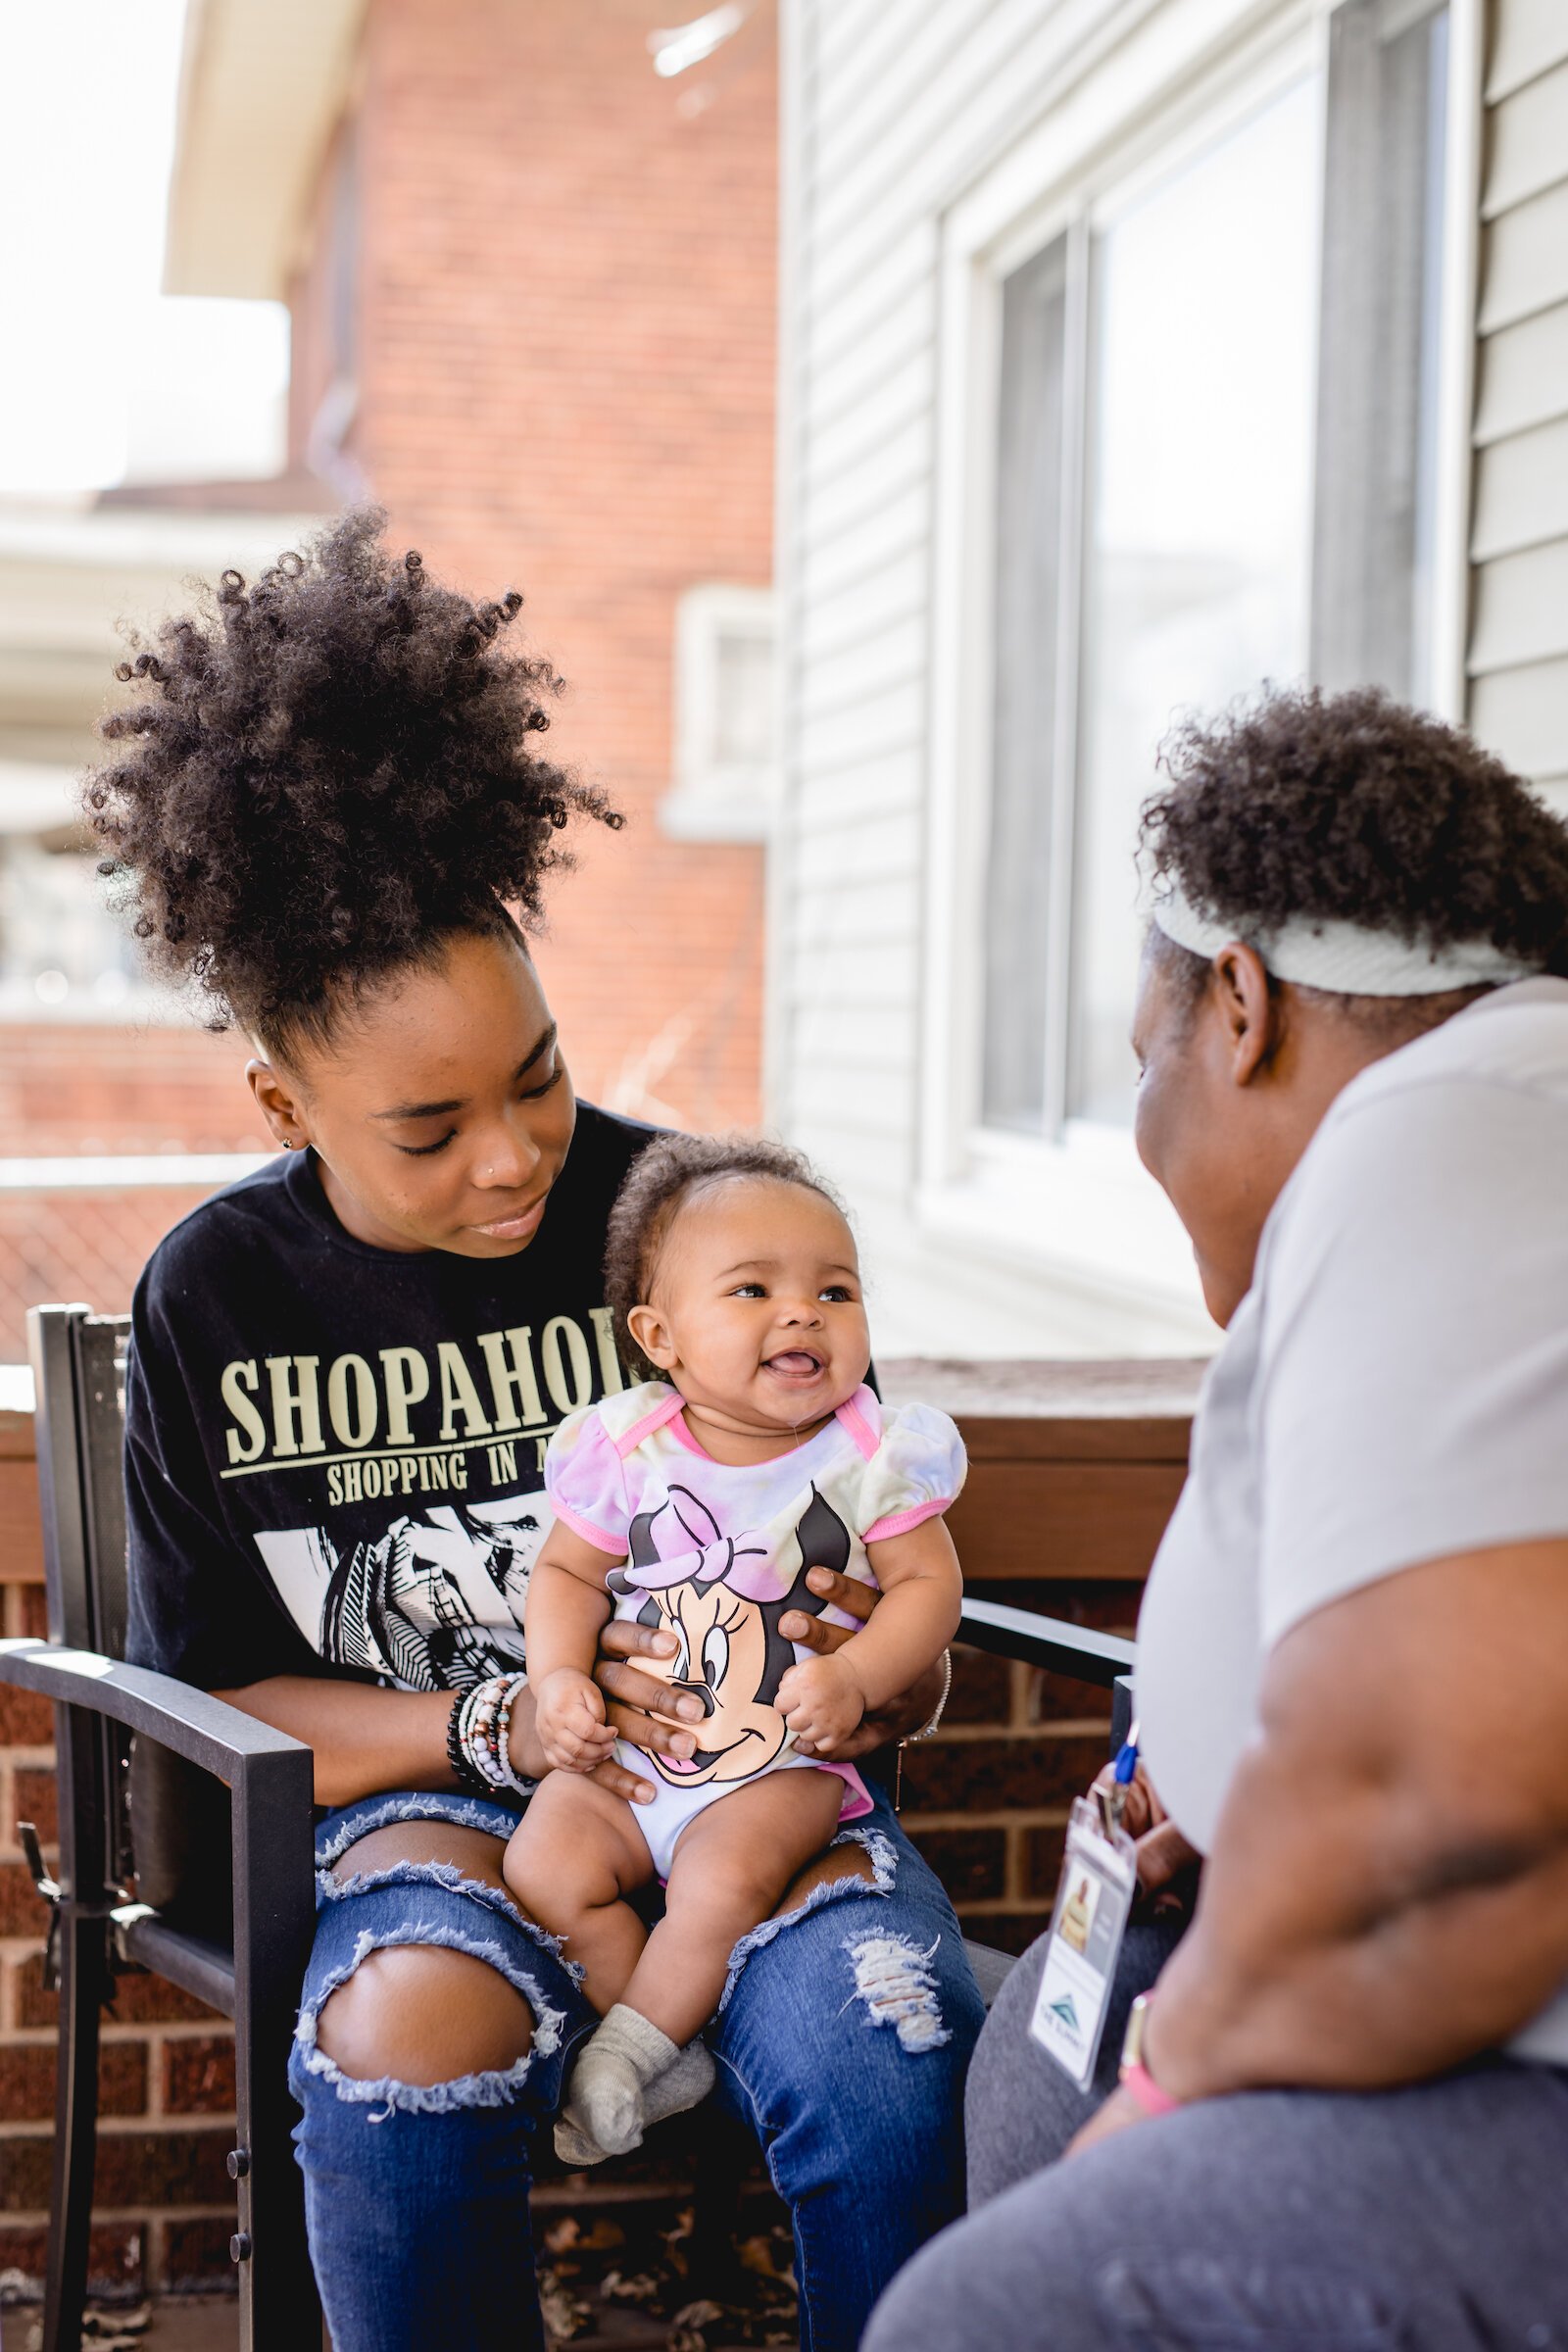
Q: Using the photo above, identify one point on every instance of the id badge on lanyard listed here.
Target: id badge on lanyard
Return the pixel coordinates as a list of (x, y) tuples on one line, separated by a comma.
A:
[(1095, 1895)]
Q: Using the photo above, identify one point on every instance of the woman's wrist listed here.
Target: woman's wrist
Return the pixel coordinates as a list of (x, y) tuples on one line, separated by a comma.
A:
[(1136, 2074), (479, 1738)]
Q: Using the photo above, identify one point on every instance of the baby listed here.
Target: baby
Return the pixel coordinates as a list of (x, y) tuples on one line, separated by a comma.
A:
[(696, 1504)]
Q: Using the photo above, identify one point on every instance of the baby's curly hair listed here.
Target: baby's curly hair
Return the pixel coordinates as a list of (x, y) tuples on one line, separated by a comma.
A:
[(1351, 806), (333, 771), (670, 1173)]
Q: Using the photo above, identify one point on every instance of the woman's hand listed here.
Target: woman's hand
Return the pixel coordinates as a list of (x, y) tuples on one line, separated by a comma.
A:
[(878, 1725), (640, 1705), (1162, 1852)]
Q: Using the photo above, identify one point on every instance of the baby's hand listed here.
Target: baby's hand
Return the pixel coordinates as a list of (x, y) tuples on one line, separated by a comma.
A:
[(570, 1713), (822, 1702)]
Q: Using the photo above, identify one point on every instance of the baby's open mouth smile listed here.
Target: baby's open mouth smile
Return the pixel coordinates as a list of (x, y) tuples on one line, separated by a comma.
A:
[(796, 1364)]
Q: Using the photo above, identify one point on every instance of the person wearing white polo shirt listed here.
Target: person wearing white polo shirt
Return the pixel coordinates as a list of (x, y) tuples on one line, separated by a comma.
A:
[(1342, 2112)]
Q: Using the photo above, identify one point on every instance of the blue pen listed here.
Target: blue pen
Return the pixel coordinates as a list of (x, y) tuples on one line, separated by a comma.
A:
[(1126, 1765)]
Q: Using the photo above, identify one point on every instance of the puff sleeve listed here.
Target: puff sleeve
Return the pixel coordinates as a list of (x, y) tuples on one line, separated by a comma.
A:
[(915, 1473), (585, 1480)]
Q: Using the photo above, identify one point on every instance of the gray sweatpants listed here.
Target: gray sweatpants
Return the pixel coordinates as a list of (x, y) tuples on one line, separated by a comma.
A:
[(1432, 2219)]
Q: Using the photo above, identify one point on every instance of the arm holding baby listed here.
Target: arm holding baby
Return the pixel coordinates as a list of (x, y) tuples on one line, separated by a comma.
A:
[(913, 1474), (823, 1699)]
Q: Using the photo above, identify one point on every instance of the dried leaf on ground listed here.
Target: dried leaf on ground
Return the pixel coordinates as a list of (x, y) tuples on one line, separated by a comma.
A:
[(566, 2315), (689, 2332), (636, 2287), (568, 2237), (769, 2257)]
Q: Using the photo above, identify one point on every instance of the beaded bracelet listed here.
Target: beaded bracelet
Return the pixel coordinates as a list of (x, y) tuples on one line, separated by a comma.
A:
[(463, 1772), (480, 1731)]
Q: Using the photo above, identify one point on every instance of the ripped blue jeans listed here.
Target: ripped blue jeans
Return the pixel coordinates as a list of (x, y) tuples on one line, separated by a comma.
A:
[(843, 2040)]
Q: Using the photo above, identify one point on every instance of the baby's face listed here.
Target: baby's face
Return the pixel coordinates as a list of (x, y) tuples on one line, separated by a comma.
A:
[(757, 1292)]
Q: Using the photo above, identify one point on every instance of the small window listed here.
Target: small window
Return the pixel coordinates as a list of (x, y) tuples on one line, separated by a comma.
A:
[(726, 784), (61, 949)]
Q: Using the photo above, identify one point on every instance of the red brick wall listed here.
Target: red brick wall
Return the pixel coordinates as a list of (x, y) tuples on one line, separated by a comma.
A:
[(566, 352), (66, 1090), (57, 1248)]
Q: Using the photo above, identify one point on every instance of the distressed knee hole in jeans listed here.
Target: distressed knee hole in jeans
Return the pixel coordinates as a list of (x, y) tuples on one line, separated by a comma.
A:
[(359, 1821), (494, 2087), (877, 1881), (330, 1889), (894, 1979)]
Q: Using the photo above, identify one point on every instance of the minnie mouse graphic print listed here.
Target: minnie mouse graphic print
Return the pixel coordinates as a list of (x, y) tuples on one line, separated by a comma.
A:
[(716, 1552)]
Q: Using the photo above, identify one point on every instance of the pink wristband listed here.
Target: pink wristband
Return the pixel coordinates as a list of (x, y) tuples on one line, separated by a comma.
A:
[(1146, 2091)]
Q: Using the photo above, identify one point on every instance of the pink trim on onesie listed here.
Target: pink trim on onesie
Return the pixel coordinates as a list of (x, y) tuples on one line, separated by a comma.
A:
[(668, 1409), (863, 1427), (899, 1523), (680, 1429), (615, 1546)]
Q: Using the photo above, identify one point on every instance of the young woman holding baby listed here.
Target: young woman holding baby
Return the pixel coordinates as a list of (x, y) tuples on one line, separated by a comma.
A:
[(328, 806)]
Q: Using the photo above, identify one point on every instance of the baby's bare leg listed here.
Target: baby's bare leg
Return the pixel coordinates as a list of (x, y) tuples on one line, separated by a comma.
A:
[(730, 1866), (574, 1854)]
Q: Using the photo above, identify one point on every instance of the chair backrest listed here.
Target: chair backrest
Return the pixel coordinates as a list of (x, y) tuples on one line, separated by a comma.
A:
[(78, 1371), (178, 1815)]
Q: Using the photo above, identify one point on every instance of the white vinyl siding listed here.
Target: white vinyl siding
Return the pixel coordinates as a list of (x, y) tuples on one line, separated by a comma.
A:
[(1519, 543)]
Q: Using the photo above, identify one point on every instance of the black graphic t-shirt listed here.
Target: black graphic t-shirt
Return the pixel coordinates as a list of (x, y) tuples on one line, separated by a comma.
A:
[(334, 1453)]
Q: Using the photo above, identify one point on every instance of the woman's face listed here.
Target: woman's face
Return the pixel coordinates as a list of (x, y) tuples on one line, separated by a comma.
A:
[(1195, 1134), (441, 1112)]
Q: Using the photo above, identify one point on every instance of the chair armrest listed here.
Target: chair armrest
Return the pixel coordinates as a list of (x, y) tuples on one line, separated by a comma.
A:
[(1051, 1642), (207, 1732)]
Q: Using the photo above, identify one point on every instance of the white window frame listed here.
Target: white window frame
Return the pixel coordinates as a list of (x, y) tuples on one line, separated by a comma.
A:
[(1079, 1205), (710, 800)]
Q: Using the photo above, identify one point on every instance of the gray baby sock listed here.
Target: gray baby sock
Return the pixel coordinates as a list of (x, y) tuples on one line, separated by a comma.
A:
[(629, 2075)]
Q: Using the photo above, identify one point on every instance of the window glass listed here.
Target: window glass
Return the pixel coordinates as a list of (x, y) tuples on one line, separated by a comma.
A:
[(1029, 504), (1200, 417), (1378, 370), (60, 946)]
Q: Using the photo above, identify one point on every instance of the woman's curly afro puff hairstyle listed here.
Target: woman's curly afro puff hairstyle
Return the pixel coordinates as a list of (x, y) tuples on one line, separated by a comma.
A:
[(1353, 806), (332, 771), (673, 1171)]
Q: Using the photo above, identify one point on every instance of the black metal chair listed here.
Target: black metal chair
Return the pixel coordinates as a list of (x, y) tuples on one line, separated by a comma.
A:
[(114, 1908), (218, 1898), (1103, 1660)]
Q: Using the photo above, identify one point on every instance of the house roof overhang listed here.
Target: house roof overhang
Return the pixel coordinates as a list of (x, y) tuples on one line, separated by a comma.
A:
[(263, 83)]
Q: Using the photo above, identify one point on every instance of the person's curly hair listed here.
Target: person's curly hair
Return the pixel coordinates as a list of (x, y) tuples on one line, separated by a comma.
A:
[(1350, 806), (331, 771), (662, 1179)]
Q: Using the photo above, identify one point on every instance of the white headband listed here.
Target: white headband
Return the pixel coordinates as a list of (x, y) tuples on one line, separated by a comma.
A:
[(1343, 957)]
